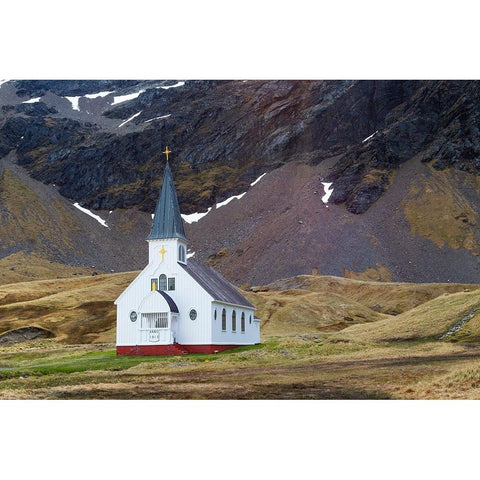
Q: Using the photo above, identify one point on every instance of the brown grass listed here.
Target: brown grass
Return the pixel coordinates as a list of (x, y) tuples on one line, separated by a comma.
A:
[(379, 274), (23, 267), (76, 310), (309, 348), (432, 319), (281, 368), (383, 297), (436, 210), (301, 311), (81, 309)]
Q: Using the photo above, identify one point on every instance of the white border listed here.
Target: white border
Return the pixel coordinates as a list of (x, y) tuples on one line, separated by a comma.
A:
[(241, 40)]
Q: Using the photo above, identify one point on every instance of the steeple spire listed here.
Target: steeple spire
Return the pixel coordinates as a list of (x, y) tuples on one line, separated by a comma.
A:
[(167, 222)]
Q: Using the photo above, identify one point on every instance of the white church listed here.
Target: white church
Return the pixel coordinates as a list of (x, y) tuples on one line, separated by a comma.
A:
[(176, 305)]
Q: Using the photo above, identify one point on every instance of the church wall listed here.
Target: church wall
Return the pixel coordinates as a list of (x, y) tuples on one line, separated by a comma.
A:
[(126, 329), (130, 300), (191, 295), (187, 295), (219, 337)]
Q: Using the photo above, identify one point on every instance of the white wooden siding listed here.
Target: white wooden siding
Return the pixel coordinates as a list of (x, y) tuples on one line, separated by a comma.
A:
[(188, 294), (228, 337)]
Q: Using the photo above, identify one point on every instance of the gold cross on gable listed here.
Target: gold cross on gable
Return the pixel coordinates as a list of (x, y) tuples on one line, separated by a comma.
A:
[(166, 152), (163, 251)]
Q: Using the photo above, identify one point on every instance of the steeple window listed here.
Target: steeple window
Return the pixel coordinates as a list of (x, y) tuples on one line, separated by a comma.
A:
[(163, 282), (181, 253)]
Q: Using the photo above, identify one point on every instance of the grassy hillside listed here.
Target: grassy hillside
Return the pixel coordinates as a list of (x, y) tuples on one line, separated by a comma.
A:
[(454, 316), (81, 309), (75, 310), (324, 303), (23, 267), (309, 349)]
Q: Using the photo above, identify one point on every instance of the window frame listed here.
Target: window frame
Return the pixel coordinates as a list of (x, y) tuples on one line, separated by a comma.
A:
[(155, 321), (224, 320), (170, 282), (162, 281), (234, 321), (182, 255)]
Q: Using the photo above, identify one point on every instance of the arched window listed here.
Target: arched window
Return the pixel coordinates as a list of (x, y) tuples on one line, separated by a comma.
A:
[(215, 314), (234, 321), (163, 282), (250, 319), (242, 323), (224, 320), (181, 253)]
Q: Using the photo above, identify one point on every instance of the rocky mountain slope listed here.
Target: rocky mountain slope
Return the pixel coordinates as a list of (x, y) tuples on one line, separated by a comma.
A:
[(403, 158), (41, 230)]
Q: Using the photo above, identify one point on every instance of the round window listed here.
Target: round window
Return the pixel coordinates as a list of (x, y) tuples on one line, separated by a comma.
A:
[(193, 314), (133, 316)]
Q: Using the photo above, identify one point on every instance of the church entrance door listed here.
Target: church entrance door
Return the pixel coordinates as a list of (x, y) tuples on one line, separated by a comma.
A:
[(174, 328)]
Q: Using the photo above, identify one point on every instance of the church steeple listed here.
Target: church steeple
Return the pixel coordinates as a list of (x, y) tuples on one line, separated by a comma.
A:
[(167, 222)]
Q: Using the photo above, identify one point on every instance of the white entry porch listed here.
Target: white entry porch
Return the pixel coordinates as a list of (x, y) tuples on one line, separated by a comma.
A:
[(157, 328)]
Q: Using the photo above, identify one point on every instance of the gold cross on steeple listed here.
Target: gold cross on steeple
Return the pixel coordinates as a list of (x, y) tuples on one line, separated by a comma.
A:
[(166, 152), (162, 252)]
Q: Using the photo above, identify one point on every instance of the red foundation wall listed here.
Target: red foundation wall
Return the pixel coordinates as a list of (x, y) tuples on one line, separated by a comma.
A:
[(175, 349)]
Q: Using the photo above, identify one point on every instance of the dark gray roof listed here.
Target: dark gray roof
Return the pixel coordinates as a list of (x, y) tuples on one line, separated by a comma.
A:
[(167, 222), (220, 289), (172, 305)]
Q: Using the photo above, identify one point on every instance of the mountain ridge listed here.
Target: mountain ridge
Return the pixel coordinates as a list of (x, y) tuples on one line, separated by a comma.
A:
[(402, 157)]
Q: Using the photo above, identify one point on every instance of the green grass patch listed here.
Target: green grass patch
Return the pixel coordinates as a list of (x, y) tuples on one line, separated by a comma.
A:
[(42, 363)]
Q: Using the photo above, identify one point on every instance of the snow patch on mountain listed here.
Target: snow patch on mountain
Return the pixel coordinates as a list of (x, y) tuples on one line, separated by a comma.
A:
[(158, 118), (258, 179), (128, 119), (370, 136), (32, 100), (328, 191), (91, 214), (178, 84), (99, 94), (125, 98), (228, 200), (194, 217), (74, 102)]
